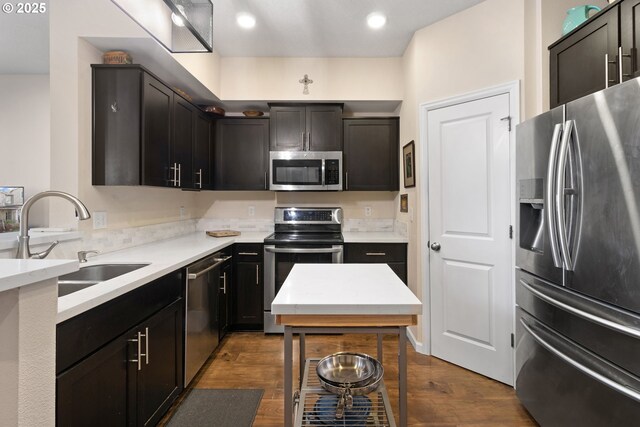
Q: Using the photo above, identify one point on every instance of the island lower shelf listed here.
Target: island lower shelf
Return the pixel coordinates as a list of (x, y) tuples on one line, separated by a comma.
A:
[(314, 406)]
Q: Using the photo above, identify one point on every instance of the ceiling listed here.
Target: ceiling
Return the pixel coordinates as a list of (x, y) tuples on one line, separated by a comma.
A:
[(290, 28), (324, 28)]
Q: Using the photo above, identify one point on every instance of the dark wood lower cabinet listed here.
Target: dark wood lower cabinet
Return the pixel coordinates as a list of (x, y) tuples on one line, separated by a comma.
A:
[(129, 380), (248, 292), (392, 254)]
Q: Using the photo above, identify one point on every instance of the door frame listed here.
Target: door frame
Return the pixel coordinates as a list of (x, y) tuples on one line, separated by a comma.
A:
[(511, 88)]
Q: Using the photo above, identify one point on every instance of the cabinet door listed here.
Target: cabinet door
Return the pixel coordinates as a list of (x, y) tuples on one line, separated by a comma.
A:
[(184, 119), (371, 149), (156, 140), (578, 64), (324, 128), (630, 34), (116, 126), (241, 154), (248, 294), (94, 392), (288, 128), (160, 380), (202, 154), (225, 298)]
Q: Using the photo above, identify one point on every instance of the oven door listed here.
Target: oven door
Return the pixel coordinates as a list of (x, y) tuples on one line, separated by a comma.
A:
[(278, 262)]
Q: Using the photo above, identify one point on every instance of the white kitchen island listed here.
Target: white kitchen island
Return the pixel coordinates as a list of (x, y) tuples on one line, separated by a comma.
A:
[(350, 298)]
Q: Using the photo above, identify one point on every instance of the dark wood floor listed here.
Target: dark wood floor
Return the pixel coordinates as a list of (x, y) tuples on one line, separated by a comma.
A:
[(440, 394)]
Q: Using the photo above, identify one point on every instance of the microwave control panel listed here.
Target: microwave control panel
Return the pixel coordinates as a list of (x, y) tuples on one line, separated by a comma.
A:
[(332, 172)]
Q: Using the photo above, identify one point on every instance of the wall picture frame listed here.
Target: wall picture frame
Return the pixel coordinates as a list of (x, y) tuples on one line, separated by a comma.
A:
[(409, 165), (404, 203)]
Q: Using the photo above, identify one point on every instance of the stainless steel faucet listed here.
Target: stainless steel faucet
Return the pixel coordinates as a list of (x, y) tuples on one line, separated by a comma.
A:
[(23, 237)]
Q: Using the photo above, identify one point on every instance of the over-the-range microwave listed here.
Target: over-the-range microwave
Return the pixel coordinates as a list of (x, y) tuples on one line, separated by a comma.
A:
[(305, 170)]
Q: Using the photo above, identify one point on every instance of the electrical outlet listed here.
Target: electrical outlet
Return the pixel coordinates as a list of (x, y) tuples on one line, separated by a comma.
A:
[(251, 211), (99, 220), (183, 212), (367, 211)]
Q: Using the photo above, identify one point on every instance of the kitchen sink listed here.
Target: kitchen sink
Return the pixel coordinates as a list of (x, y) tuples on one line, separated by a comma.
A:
[(92, 275)]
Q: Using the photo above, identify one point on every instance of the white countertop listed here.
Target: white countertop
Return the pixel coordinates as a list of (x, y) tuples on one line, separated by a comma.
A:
[(10, 240), (366, 289), (15, 273), (163, 257), (374, 237)]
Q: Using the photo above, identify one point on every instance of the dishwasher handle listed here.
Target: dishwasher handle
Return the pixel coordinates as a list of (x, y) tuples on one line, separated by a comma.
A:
[(218, 261)]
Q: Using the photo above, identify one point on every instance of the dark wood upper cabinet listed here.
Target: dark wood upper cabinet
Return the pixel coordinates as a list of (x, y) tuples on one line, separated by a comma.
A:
[(184, 122), (203, 160), (314, 127), (371, 149), (586, 60), (630, 37), (144, 133), (241, 154)]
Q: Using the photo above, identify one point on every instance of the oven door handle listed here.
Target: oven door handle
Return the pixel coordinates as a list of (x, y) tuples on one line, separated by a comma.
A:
[(303, 250)]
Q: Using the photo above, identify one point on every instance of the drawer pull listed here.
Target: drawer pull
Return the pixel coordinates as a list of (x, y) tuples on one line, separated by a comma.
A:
[(248, 253), (257, 275), (376, 253)]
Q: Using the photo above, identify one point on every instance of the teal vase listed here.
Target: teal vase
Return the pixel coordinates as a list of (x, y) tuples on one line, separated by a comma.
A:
[(576, 16)]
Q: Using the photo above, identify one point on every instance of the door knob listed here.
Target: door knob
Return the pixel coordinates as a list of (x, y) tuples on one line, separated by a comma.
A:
[(435, 246)]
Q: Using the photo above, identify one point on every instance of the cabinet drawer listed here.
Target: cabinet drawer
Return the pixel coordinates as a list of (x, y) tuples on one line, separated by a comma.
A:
[(82, 335), (248, 252), (376, 252)]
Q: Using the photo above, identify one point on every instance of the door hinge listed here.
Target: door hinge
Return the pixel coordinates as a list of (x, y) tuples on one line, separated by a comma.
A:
[(508, 119), (511, 231), (513, 339)]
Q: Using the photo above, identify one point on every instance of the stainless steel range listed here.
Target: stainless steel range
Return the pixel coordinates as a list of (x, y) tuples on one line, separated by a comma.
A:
[(302, 236)]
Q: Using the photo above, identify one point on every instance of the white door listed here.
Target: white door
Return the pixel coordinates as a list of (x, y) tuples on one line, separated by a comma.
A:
[(470, 249)]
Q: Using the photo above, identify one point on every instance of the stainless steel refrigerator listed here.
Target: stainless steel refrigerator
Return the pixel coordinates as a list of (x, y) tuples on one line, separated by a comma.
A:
[(578, 261)]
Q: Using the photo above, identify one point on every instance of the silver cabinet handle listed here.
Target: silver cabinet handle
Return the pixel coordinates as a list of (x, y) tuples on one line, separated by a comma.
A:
[(257, 275), (146, 345), (560, 194), (179, 175), (199, 174), (266, 180), (435, 246), (613, 325), (632, 394), (224, 283), (248, 253), (621, 57), (376, 253), (303, 142), (174, 170), (346, 180), (308, 141), (549, 196), (303, 251), (138, 358), (607, 63)]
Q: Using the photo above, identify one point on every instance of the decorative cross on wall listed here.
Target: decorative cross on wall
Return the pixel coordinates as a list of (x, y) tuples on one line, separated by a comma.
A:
[(306, 81)]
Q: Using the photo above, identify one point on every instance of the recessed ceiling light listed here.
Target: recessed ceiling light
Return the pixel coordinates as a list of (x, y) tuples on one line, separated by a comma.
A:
[(246, 20), (376, 20), (177, 19)]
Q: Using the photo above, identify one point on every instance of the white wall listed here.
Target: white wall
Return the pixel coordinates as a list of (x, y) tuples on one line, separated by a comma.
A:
[(24, 137), (334, 79), (477, 48)]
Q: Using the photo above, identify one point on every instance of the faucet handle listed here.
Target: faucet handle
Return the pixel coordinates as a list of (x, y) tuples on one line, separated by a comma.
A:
[(82, 255), (42, 255)]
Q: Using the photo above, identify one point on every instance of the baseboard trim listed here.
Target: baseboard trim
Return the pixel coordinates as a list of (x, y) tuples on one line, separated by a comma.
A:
[(417, 345)]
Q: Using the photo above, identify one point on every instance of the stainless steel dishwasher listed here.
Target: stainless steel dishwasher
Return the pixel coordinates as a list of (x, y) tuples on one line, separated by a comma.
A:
[(202, 317)]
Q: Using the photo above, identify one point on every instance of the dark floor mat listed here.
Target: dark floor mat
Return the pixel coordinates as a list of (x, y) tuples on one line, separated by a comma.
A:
[(217, 408)]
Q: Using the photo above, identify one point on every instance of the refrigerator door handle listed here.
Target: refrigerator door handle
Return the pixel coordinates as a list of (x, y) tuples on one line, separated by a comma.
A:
[(561, 224), (610, 324), (598, 376), (549, 196)]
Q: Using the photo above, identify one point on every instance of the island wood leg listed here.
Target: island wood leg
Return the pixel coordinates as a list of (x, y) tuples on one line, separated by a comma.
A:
[(402, 374), (288, 374)]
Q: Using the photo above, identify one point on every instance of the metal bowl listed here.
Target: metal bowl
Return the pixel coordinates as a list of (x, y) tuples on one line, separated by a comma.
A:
[(346, 369)]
